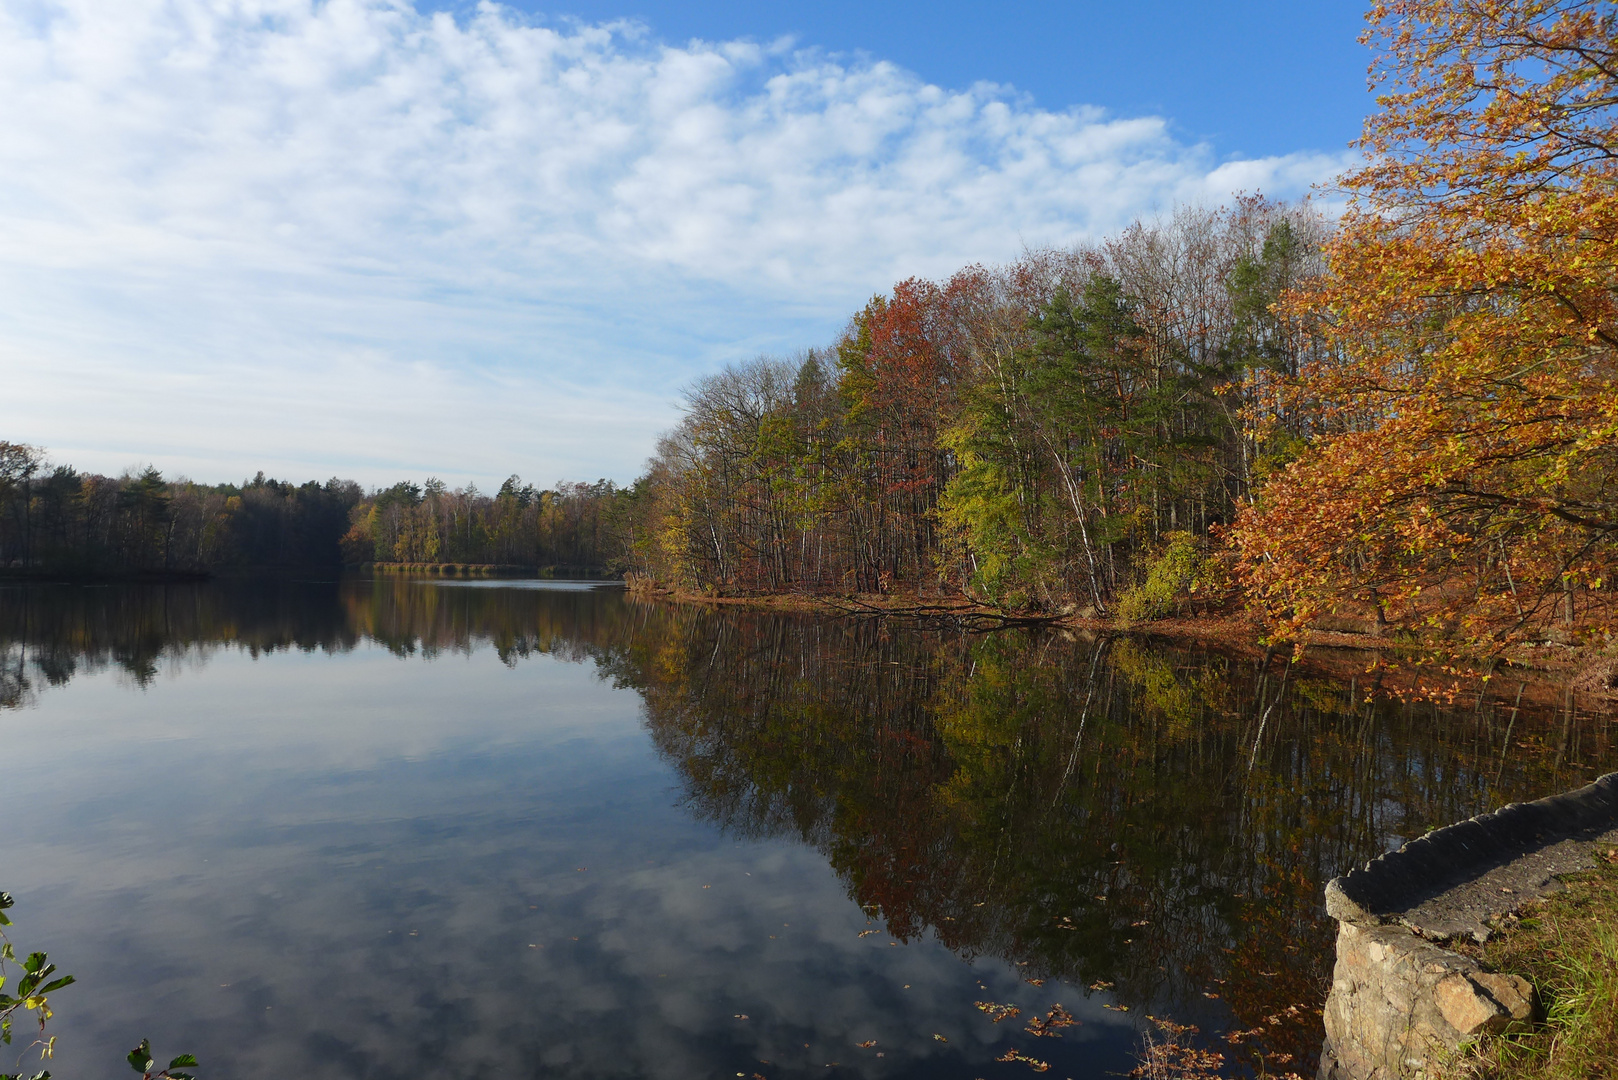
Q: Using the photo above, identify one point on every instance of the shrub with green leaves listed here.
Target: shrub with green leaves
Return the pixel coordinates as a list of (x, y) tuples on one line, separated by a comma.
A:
[(31, 991), (1171, 581), (31, 995)]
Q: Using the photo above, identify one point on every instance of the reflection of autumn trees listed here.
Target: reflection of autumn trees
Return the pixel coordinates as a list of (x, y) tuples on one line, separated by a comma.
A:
[(410, 616), (49, 634), (1099, 810), (1154, 818)]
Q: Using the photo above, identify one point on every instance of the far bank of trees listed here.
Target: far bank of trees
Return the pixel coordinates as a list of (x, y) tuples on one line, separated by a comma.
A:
[(55, 519), (573, 526)]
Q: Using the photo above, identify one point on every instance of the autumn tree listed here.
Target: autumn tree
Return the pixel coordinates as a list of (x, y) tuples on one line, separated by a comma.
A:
[(1461, 482)]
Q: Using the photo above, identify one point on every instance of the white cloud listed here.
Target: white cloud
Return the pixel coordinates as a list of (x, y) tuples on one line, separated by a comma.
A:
[(353, 237)]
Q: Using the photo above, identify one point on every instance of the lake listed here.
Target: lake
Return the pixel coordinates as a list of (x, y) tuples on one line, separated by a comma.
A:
[(391, 827)]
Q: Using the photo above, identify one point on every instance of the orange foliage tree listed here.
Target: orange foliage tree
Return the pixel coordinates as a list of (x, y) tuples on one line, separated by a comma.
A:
[(1459, 476)]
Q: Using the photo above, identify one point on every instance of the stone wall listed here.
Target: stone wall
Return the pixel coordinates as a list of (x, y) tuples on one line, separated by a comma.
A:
[(1400, 1004)]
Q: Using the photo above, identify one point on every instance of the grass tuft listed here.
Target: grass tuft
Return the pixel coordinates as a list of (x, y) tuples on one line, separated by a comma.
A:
[(1567, 946)]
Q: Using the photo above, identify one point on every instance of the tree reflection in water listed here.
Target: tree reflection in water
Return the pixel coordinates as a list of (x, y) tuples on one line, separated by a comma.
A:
[(1106, 812)]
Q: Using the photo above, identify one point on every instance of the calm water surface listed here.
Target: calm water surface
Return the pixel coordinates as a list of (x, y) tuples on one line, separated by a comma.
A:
[(391, 828)]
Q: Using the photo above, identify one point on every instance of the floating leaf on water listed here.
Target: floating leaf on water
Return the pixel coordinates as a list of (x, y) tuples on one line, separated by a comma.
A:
[(741, 1016), (939, 1037), (1033, 1063), (998, 1012), (866, 933), (1115, 1008), (867, 1044), (1035, 982), (1210, 996), (1101, 984), (1057, 1017)]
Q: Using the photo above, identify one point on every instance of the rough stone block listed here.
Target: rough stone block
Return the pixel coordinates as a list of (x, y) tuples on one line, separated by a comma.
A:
[(1401, 1005)]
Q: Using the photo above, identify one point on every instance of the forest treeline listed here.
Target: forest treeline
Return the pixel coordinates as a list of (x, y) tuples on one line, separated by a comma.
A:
[(1032, 435), (57, 520)]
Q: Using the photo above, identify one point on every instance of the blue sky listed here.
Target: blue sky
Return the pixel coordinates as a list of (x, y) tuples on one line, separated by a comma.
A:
[(359, 238), (1256, 77)]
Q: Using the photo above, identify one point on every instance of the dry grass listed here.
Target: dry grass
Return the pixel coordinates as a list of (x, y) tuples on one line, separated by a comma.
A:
[(1567, 946)]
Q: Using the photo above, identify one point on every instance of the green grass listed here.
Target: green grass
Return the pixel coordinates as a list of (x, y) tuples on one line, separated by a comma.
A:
[(1567, 946)]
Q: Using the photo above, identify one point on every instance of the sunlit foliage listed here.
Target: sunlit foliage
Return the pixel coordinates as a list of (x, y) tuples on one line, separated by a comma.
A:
[(1459, 481)]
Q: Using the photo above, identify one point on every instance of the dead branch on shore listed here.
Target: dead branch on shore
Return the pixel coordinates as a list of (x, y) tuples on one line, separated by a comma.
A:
[(972, 620)]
